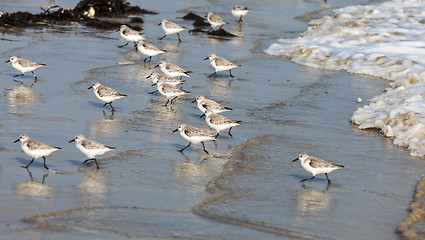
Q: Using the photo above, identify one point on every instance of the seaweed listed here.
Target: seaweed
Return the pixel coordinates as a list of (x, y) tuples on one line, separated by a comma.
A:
[(221, 32), (197, 20), (56, 15), (199, 23)]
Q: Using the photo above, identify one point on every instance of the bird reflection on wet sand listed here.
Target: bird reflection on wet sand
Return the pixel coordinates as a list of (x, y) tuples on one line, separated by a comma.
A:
[(312, 205), (34, 188), (94, 186), (106, 125), (21, 95)]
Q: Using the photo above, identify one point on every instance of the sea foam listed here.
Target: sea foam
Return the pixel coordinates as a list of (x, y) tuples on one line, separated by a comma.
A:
[(385, 40)]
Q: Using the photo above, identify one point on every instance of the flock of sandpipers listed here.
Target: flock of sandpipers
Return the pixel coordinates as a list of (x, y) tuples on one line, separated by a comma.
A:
[(166, 85)]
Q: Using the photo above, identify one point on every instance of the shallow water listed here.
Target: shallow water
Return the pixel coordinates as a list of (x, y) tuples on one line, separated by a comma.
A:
[(247, 188)]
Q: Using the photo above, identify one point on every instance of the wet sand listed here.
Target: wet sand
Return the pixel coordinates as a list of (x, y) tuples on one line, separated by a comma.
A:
[(247, 188)]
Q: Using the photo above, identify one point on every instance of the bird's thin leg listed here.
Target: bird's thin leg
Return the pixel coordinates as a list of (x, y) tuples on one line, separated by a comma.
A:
[(178, 35), (28, 164), (212, 74), (35, 77), (166, 102), (240, 19), (229, 132), (173, 100), (95, 161), (110, 104), (123, 45), (329, 181), (307, 179), (90, 159), (150, 58), (181, 150), (203, 146), (44, 161), (230, 71)]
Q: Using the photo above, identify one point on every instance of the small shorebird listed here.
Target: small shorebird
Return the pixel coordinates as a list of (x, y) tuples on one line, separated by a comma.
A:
[(90, 148), (24, 65), (221, 64), (129, 35), (205, 104), (219, 122), (35, 149), (159, 78), (106, 94), (315, 166), (215, 20), (170, 92), (239, 11), (195, 135), (148, 49), (171, 28), (172, 70)]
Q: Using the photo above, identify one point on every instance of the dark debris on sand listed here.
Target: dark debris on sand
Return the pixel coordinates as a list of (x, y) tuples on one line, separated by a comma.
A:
[(199, 23), (57, 15), (221, 33), (197, 20)]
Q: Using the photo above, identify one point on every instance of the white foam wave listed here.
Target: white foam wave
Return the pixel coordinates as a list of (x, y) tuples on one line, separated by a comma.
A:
[(385, 40)]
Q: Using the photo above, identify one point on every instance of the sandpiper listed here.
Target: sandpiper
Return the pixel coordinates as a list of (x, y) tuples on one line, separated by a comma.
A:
[(171, 28), (24, 65), (106, 94), (195, 135), (315, 166), (90, 148), (221, 64), (35, 149)]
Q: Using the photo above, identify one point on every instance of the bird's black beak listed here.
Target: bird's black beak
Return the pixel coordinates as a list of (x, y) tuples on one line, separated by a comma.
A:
[(153, 84), (7, 61), (156, 66), (193, 101), (159, 23), (149, 76), (17, 140), (175, 130), (295, 160), (73, 140), (118, 30), (206, 58), (90, 87)]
